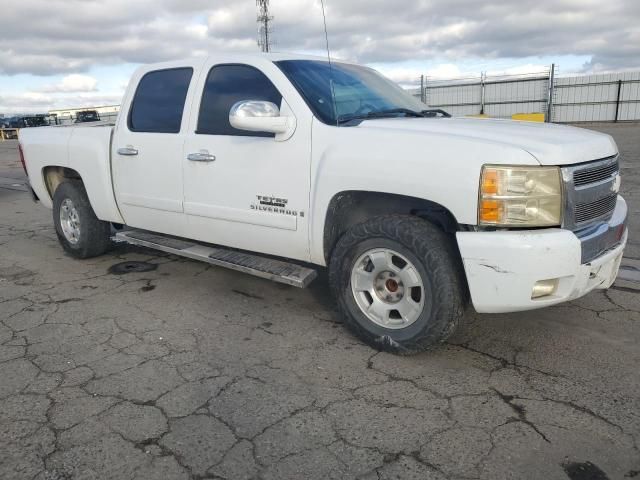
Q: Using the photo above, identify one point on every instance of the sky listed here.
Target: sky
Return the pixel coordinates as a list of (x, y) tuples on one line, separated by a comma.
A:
[(78, 53)]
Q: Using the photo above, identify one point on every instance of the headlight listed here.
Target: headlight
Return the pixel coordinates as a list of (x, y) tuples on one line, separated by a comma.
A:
[(520, 196)]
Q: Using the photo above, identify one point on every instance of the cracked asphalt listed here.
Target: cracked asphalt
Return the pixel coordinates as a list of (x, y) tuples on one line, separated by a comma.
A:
[(195, 372)]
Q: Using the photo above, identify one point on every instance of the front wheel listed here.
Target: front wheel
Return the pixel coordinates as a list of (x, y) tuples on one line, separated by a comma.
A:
[(398, 283), (79, 231)]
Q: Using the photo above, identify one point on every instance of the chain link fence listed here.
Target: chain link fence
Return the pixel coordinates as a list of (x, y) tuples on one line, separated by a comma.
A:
[(590, 98)]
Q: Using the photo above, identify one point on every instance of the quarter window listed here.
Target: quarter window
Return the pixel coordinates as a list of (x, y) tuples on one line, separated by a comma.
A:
[(158, 104), (226, 85)]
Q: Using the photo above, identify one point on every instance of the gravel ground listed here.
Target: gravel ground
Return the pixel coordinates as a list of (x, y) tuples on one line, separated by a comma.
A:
[(191, 371)]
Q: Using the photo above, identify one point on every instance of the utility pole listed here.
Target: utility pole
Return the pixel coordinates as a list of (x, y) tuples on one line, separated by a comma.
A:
[(264, 27)]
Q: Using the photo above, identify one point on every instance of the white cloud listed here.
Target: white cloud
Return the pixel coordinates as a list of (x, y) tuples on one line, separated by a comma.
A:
[(411, 76), (524, 69), (88, 33), (35, 102), (444, 33), (445, 70), (24, 103), (72, 84)]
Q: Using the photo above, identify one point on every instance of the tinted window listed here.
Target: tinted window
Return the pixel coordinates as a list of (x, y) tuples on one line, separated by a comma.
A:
[(226, 85), (159, 101)]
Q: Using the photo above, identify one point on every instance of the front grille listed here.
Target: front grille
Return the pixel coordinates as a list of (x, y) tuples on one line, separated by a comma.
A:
[(590, 192), (586, 212), (594, 175), (591, 207)]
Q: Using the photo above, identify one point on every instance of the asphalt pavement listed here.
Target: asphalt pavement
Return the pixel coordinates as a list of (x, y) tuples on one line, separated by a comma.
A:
[(191, 371)]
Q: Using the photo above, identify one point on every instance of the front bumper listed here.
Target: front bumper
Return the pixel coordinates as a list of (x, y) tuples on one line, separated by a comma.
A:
[(503, 266)]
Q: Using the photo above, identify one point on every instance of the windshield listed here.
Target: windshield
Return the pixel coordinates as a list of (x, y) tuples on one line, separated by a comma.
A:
[(359, 90)]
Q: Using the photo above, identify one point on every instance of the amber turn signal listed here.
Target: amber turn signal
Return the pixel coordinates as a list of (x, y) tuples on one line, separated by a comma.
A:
[(490, 182), (490, 211)]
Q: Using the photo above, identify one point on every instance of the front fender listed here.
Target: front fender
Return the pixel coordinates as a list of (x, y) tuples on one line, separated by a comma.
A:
[(444, 169)]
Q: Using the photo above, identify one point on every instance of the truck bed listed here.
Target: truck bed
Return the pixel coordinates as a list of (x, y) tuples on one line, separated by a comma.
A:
[(85, 149)]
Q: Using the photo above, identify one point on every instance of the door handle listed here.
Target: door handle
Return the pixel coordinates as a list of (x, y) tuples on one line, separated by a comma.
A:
[(201, 157), (127, 151)]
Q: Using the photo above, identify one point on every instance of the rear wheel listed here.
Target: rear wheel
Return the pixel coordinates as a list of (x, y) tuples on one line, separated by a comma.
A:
[(398, 283), (79, 231)]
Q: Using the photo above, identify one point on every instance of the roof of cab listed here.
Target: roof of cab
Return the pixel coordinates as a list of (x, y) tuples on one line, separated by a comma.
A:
[(238, 58)]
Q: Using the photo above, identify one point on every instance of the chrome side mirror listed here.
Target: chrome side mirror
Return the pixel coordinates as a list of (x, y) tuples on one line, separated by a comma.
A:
[(261, 116)]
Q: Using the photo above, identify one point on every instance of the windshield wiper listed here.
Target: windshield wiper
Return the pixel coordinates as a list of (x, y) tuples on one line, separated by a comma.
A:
[(406, 111), (433, 112), (391, 112)]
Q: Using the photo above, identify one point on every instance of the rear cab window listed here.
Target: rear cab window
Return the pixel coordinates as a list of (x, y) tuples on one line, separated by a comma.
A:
[(158, 104)]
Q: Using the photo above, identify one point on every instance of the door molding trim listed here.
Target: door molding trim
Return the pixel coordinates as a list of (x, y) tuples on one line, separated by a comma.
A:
[(165, 204), (238, 215)]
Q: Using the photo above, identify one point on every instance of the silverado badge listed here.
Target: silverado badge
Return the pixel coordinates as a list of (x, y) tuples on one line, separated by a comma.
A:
[(269, 203)]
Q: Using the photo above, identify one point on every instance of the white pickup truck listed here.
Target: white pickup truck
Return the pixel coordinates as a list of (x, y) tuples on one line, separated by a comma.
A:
[(272, 164)]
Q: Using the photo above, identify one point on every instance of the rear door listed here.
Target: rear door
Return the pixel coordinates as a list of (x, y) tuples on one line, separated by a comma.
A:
[(147, 149), (253, 192)]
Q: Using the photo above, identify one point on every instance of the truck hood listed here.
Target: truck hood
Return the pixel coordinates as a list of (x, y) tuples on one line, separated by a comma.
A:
[(549, 144)]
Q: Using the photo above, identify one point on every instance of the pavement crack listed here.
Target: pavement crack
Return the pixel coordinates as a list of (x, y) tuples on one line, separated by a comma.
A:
[(520, 412)]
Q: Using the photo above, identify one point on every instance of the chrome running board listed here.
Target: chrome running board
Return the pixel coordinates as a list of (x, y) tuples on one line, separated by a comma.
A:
[(276, 270)]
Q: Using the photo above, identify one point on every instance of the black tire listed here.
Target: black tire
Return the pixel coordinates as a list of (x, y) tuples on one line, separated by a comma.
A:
[(94, 238), (433, 254)]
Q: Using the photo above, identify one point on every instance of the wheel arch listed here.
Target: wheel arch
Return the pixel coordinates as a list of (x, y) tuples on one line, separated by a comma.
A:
[(348, 208), (99, 190), (54, 175)]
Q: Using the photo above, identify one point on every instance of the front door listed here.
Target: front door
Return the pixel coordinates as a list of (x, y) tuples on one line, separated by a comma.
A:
[(245, 189)]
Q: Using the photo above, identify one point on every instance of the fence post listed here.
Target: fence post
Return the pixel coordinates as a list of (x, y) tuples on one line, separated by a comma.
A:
[(618, 100), (552, 74), (423, 93), (483, 76)]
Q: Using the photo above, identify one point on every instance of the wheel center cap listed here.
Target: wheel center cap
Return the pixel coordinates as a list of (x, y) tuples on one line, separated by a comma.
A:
[(389, 287)]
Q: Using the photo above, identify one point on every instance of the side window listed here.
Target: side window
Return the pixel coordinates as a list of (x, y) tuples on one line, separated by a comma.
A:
[(159, 101), (226, 85)]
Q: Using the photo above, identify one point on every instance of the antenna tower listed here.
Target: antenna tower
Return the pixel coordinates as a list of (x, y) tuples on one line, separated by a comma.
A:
[(264, 25)]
